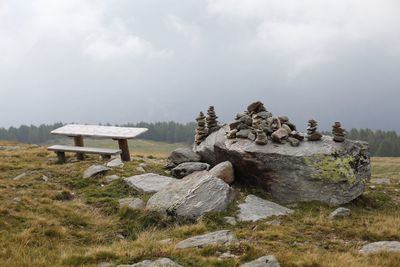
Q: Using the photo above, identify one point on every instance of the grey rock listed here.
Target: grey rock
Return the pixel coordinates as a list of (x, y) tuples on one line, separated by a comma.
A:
[(340, 213), (140, 169), (266, 261), (117, 162), (94, 170), (166, 241), (243, 133), (149, 182), (8, 148), (143, 165), (326, 171), (293, 141), (186, 168), (132, 203), (381, 246), (162, 262), (45, 178), (381, 181), (224, 171), (193, 196), (223, 237), (230, 220), (287, 128), (255, 208), (181, 155), (279, 135), (111, 178), (22, 175)]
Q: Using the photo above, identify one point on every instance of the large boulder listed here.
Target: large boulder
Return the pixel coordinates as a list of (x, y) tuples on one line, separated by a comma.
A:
[(326, 171), (223, 237), (224, 171), (381, 246), (192, 196), (186, 168), (181, 155), (95, 170), (149, 182)]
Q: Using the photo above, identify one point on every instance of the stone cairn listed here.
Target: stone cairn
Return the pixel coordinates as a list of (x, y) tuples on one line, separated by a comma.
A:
[(312, 133), (338, 132), (212, 123), (201, 130)]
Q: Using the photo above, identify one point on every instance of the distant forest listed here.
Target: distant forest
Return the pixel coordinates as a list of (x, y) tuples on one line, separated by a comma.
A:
[(382, 143)]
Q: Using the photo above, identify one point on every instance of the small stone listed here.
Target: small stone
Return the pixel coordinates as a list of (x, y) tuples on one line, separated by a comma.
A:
[(161, 262), (186, 168), (230, 220), (132, 203), (340, 213), (243, 134), (228, 255), (117, 162), (266, 261), (140, 169), (287, 128), (224, 171), (224, 237), (111, 178), (293, 141), (279, 135), (381, 246), (22, 175), (381, 181), (256, 107), (94, 170), (143, 165), (181, 155), (45, 178), (297, 135), (165, 241)]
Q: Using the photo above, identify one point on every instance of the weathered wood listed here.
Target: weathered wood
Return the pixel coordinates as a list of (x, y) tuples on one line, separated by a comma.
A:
[(89, 150), (99, 131), (123, 145), (78, 141), (60, 156)]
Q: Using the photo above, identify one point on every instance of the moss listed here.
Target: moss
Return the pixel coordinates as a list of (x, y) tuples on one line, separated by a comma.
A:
[(333, 169)]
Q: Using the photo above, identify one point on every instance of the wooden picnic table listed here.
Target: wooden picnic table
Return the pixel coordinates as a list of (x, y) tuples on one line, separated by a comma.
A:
[(120, 134)]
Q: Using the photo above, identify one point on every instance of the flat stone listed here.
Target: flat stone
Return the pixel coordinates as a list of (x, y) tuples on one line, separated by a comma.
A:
[(224, 237), (140, 169), (192, 196), (94, 170), (381, 246), (186, 168), (161, 262), (230, 220), (117, 162), (22, 175), (111, 178), (340, 213), (243, 133), (8, 148), (255, 208), (181, 155), (381, 181), (132, 203), (224, 171), (149, 182), (266, 261)]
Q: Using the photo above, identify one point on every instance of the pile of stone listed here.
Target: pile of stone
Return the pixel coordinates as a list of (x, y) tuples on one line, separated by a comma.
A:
[(259, 125), (212, 123), (201, 130), (312, 133), (338, 132)]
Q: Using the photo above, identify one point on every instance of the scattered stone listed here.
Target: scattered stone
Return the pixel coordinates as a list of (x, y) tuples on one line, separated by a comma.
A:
[(243, 133), (340, 213), (274, 222), (140, 169), (8, 148), (228, 255), (22, 175), (181, 155), (211, 120), (94, 170), (372, 187), (266, 261), (312, 133), (201, 130), (149, 182), (381, 246), (193, 196), (165, 241), (105, 264), (293, 141), (255, 208), (381, 181), (111, 178), (17, 199), (339, 134), (279, 135), (297, 135), (287, 128), (186, 168), (117, 162), (132, 203), (161, 262), (224, 237), (224, 171), (45, 178), (230, 220)]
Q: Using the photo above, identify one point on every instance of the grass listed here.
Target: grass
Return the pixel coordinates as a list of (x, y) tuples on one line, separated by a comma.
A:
[(71, 221)]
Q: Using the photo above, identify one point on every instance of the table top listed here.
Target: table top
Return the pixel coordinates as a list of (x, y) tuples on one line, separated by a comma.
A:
[(99, 131)]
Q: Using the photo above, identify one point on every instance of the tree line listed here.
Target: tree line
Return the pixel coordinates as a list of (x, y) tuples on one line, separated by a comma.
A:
[(382, 143)]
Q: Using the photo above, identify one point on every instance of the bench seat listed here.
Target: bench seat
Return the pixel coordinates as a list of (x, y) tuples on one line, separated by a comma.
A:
[(106, 153)]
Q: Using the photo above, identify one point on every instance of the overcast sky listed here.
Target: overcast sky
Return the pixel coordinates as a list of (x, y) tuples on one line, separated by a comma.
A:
[(156, 60)]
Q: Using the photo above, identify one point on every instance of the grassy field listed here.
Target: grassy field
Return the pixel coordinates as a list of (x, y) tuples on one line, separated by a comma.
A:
[(71, 221)]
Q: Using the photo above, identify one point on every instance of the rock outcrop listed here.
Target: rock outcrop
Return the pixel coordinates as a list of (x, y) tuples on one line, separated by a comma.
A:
[(192, 196), (326, 171)]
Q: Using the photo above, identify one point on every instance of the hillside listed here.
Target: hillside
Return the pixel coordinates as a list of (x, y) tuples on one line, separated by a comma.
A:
[(71, 221)]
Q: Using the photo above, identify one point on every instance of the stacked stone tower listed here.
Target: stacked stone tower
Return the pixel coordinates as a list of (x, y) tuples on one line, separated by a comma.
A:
[(212, 123), (338, 132), (201, 130), (312, 133)]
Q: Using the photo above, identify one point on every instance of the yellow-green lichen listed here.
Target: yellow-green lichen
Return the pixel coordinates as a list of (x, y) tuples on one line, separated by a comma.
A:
[(334, 169)]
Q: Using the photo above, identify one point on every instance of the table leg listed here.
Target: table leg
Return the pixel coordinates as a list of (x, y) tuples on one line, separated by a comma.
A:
[(78, 140), (123, 145)]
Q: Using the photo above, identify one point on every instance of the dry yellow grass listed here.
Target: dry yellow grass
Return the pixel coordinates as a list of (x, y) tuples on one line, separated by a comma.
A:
[(71, 221)]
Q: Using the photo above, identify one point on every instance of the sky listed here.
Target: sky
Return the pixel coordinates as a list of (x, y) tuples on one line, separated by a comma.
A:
[(92, 61)]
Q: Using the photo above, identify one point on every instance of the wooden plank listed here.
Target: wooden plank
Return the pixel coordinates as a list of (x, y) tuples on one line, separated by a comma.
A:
[(90, 150), (123, 145), (78, 141), (99, 131)]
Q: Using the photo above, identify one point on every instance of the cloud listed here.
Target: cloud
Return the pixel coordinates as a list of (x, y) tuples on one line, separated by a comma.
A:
[(190, 31)]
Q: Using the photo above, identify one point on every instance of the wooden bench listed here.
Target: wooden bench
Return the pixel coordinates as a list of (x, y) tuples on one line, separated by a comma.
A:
[(105, 153)]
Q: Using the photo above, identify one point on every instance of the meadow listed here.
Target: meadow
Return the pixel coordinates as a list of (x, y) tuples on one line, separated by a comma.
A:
[(71, 221)]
